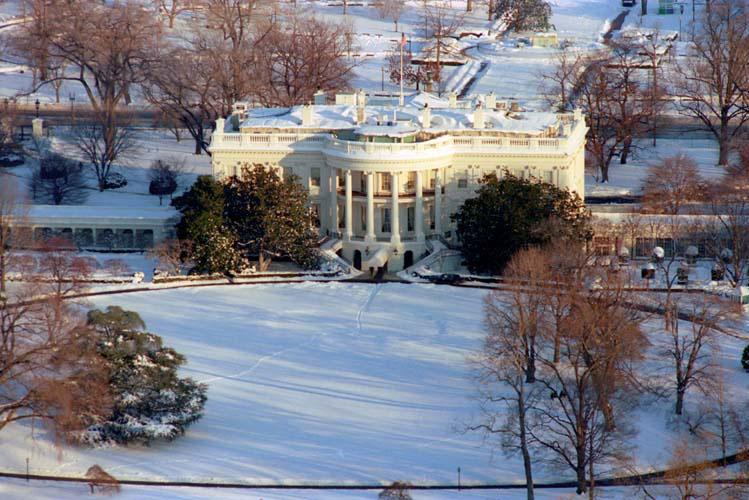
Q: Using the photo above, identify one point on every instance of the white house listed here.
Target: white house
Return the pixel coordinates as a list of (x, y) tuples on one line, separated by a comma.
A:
[(384, 177)]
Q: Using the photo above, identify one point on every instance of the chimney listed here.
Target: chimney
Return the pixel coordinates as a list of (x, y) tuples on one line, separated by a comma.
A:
[(220, 126), (491, 100), (308, 114), (478, 117), (361, 99), (426, 116), (453, 99), (566, 130), (320, 98), (578, 114)]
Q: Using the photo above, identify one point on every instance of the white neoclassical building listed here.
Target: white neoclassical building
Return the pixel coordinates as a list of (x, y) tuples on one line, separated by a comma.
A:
[(385, 177)]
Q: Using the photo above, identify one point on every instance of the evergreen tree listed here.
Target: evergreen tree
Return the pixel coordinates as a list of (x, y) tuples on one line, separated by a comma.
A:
[(213, 243), (270, 216), (150, 400), (513, 213)]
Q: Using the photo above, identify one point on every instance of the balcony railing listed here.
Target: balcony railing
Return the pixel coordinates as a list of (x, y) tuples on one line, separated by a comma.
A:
[(446, 144)]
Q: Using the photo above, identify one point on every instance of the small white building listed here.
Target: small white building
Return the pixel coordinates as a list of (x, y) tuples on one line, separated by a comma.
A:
[(384, 177)]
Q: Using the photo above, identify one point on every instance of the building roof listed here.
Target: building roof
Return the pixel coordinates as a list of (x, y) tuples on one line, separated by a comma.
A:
[(407, 117)]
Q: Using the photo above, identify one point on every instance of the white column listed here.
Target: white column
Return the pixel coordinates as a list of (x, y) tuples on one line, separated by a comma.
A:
[(349, 206), (395, 230), (333, 183), (370, 208), (419, 209), (437, 203)]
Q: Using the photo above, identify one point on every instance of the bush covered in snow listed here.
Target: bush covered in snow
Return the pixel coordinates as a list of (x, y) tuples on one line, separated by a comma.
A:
[(150, 400)]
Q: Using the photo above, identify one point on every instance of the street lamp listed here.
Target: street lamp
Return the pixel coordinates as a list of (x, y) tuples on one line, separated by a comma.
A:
[(37, 108), (72, 107)]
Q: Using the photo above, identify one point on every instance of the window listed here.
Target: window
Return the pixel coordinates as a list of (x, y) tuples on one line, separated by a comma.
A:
[(315, 176), (363, 183), (385, 220), (363, 213), (385, 182), (463, 179), (411, 183), (411, 218), (549, 176), (314, 212), (431, 216), (432, 182)]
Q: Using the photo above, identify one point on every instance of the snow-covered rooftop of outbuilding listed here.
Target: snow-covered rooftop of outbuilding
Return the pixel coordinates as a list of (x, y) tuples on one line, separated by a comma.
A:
[(443, 117)]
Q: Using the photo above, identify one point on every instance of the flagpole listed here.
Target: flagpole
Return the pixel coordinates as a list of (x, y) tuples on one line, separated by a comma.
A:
[(400, 100)]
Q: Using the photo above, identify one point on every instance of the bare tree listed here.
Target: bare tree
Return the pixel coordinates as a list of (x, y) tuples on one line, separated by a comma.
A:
[(412, 74), (105, 48), (711, 84), (9, 147), (559, 85), (391, 9), (49, 368), (58, 181), (296, 60), (172, 8), (506, 365), (102, 147), (718, 421), (654, 49), (13, 212), (726, 227), (615, 103), (690, 350), (182, 84), (101, 481), (172, 254), (440, 23), (671, 184), (594, 384), (228, 46)]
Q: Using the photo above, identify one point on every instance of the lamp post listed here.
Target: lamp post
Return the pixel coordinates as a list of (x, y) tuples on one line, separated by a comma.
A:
[(72, 107), (36, 104)]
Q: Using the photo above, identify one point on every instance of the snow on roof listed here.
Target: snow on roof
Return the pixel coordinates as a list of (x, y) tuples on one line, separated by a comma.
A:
[(396, 130), (443, 118), (67, 212)]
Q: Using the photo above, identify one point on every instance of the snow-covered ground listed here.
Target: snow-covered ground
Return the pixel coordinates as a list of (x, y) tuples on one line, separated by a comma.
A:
[(149, 145), (627, 179), (18, 489), (324, 383)]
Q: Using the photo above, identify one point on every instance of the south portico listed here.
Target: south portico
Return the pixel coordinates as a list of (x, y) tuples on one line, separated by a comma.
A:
[(385, 177)]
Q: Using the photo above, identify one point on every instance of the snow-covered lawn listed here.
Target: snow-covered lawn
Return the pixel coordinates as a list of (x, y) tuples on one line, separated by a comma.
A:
[(627, 179), (314, 383), (326, 383)]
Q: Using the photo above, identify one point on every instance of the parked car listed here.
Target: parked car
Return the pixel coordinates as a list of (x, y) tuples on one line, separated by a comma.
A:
[(448, 279)]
